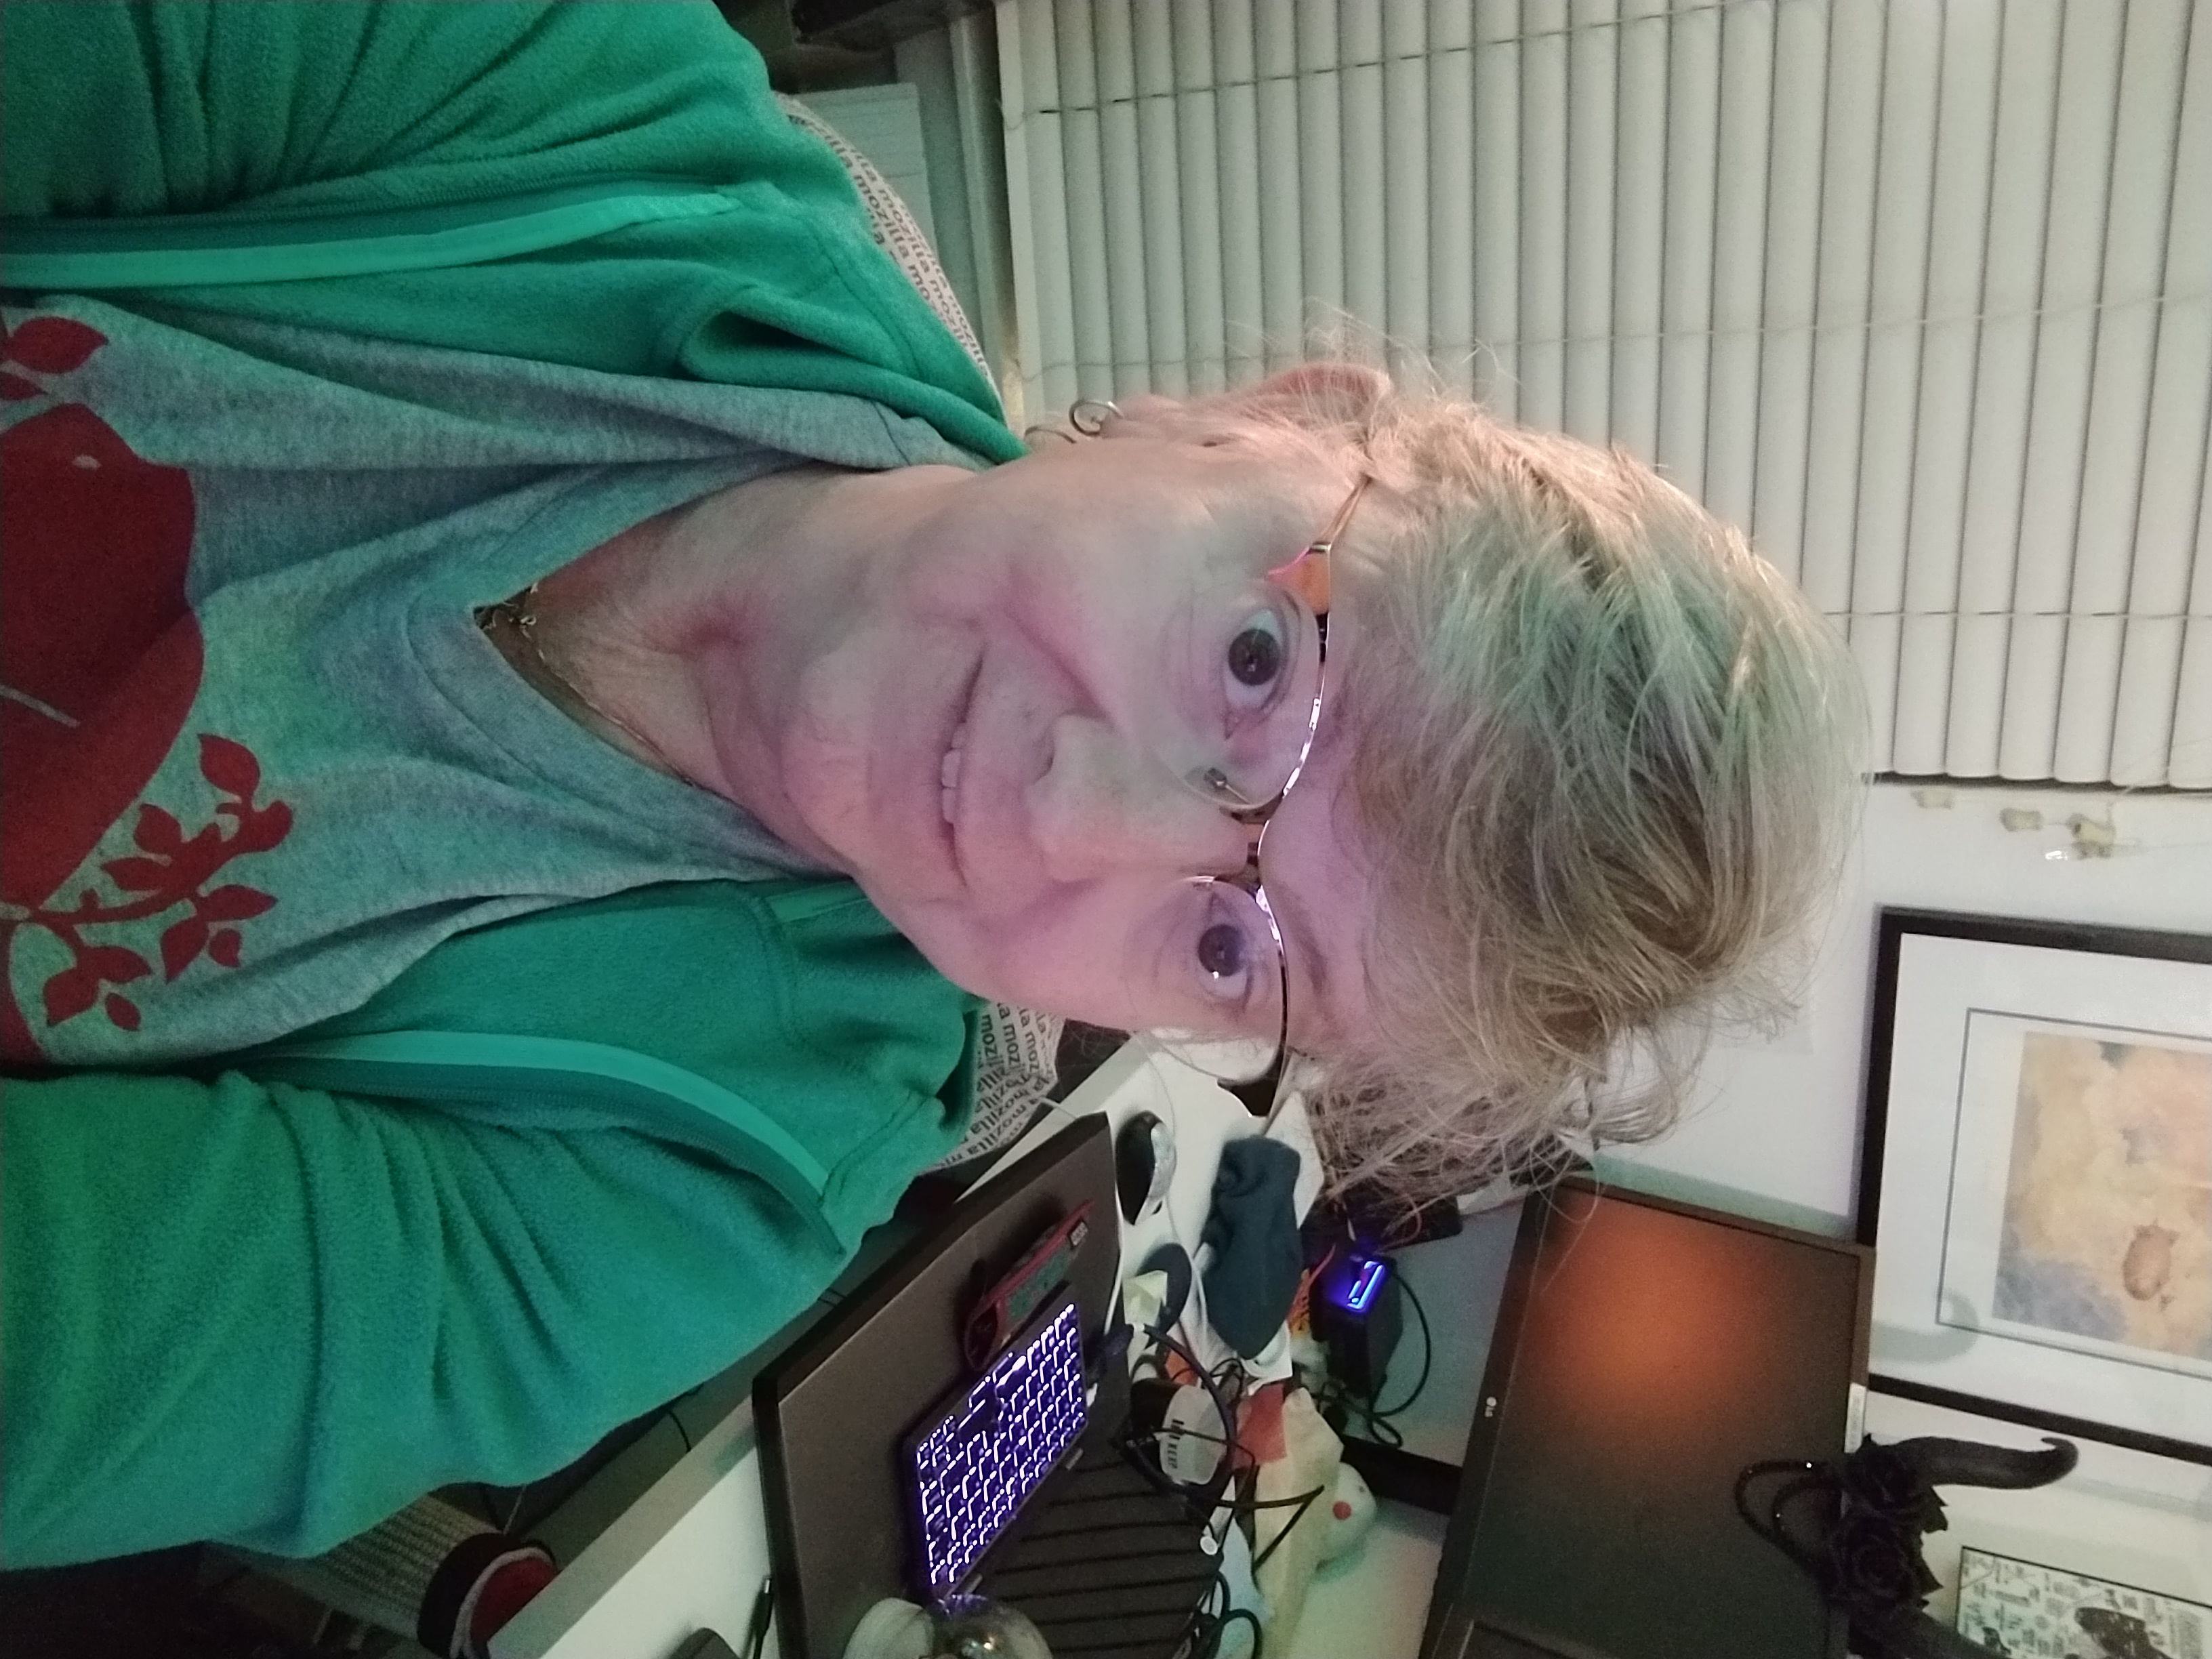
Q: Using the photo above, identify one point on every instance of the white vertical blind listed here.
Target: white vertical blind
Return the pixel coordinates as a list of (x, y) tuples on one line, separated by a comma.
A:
[(1495, 59), (1943, 420), (1449, 142), (2169, 628), (1739, 186), (1543, 228), (1593, 69), (1918, 291)]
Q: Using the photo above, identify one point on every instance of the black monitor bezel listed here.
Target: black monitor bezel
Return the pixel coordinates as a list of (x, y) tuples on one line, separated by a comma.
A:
[(1538, 1213)]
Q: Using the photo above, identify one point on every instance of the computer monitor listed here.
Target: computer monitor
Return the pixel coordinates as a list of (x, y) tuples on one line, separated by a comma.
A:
[(1645, 1352)]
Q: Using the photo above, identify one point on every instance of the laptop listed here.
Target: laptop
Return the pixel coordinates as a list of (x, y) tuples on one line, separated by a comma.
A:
[(837, 1413)]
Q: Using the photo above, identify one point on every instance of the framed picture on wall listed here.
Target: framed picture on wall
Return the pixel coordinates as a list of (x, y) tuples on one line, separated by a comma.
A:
[(2122, 1517), (2033, 1612), (2036, 1174)]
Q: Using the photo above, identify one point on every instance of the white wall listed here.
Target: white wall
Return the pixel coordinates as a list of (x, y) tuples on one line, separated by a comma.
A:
[(1780, 1122)]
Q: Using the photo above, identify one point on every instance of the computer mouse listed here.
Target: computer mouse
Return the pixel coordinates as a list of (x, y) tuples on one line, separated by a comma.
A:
[(1144, 1163)]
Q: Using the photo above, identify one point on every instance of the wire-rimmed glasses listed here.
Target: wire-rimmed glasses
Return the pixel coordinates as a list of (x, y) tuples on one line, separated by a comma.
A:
[(1240, 929)]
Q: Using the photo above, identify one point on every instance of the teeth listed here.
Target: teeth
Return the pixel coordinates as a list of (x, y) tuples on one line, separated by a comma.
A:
[(948, 773)]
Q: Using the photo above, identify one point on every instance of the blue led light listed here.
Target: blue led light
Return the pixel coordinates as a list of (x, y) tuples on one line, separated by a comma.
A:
[(1363, 1289)]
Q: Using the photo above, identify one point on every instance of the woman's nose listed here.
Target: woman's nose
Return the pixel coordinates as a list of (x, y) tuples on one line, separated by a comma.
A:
[(1108, 804)]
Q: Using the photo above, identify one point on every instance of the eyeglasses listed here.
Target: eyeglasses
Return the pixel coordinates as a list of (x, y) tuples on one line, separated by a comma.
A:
[(1240, 927)]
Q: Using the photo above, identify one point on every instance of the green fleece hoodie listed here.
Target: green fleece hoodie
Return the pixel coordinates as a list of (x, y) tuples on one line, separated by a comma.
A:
[(315, 119), (269, 792)]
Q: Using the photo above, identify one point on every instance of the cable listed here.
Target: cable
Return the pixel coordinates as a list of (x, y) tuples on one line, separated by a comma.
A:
[(1221, 1627), (1381, 1431), (1377, 1413), (1202, 1633), (1205, 1503), (1234, 1451), (1233, 1381), (763, 1617), (1302, 1503), (1373, 1420)]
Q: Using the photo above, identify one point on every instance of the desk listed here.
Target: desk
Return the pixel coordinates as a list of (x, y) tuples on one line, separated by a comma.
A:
[(690, 1554)]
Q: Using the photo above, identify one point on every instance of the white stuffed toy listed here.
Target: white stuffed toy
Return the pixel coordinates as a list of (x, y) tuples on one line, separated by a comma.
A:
[(1350, 1513)]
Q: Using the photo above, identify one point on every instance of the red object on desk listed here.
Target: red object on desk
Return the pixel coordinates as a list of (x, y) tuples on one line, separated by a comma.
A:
[(1007, 1307)]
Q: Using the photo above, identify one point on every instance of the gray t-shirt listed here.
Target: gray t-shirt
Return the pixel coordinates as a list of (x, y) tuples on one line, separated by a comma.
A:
[(262, 757)]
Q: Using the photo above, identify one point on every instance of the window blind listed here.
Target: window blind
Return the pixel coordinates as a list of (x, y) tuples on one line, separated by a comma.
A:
[(1917, 292)]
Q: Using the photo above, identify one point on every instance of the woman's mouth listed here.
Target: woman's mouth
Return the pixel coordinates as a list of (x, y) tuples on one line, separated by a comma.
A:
[(949, 766), (948, 773)]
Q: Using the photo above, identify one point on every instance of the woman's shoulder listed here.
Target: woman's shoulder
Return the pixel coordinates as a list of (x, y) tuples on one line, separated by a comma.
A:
[(312, 106)]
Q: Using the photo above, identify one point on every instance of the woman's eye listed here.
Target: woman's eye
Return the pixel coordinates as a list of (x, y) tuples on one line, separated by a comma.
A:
[(1256, 659), (1255, 656), (1223, 956)]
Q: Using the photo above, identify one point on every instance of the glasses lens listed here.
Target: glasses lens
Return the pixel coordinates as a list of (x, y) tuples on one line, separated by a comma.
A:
[(1262, 754), (1228, 955)]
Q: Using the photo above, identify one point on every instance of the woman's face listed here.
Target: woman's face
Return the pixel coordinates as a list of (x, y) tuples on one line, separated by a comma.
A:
[(992, 726)]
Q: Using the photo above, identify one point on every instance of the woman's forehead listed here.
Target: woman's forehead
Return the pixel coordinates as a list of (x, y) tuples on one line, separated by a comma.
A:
[(1262, 491)]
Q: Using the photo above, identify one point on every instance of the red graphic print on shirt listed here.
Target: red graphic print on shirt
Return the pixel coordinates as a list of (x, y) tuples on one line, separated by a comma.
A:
[(100, 662)]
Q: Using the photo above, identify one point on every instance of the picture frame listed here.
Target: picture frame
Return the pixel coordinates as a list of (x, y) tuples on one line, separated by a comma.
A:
[(2120, 1516), (2033, 1611), (2036, 1174)]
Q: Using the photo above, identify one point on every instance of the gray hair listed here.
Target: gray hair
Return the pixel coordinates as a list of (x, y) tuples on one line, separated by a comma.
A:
[(1606, 765)]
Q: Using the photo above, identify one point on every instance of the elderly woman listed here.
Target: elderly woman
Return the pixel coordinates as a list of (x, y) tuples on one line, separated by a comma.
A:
[(522, 756)]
